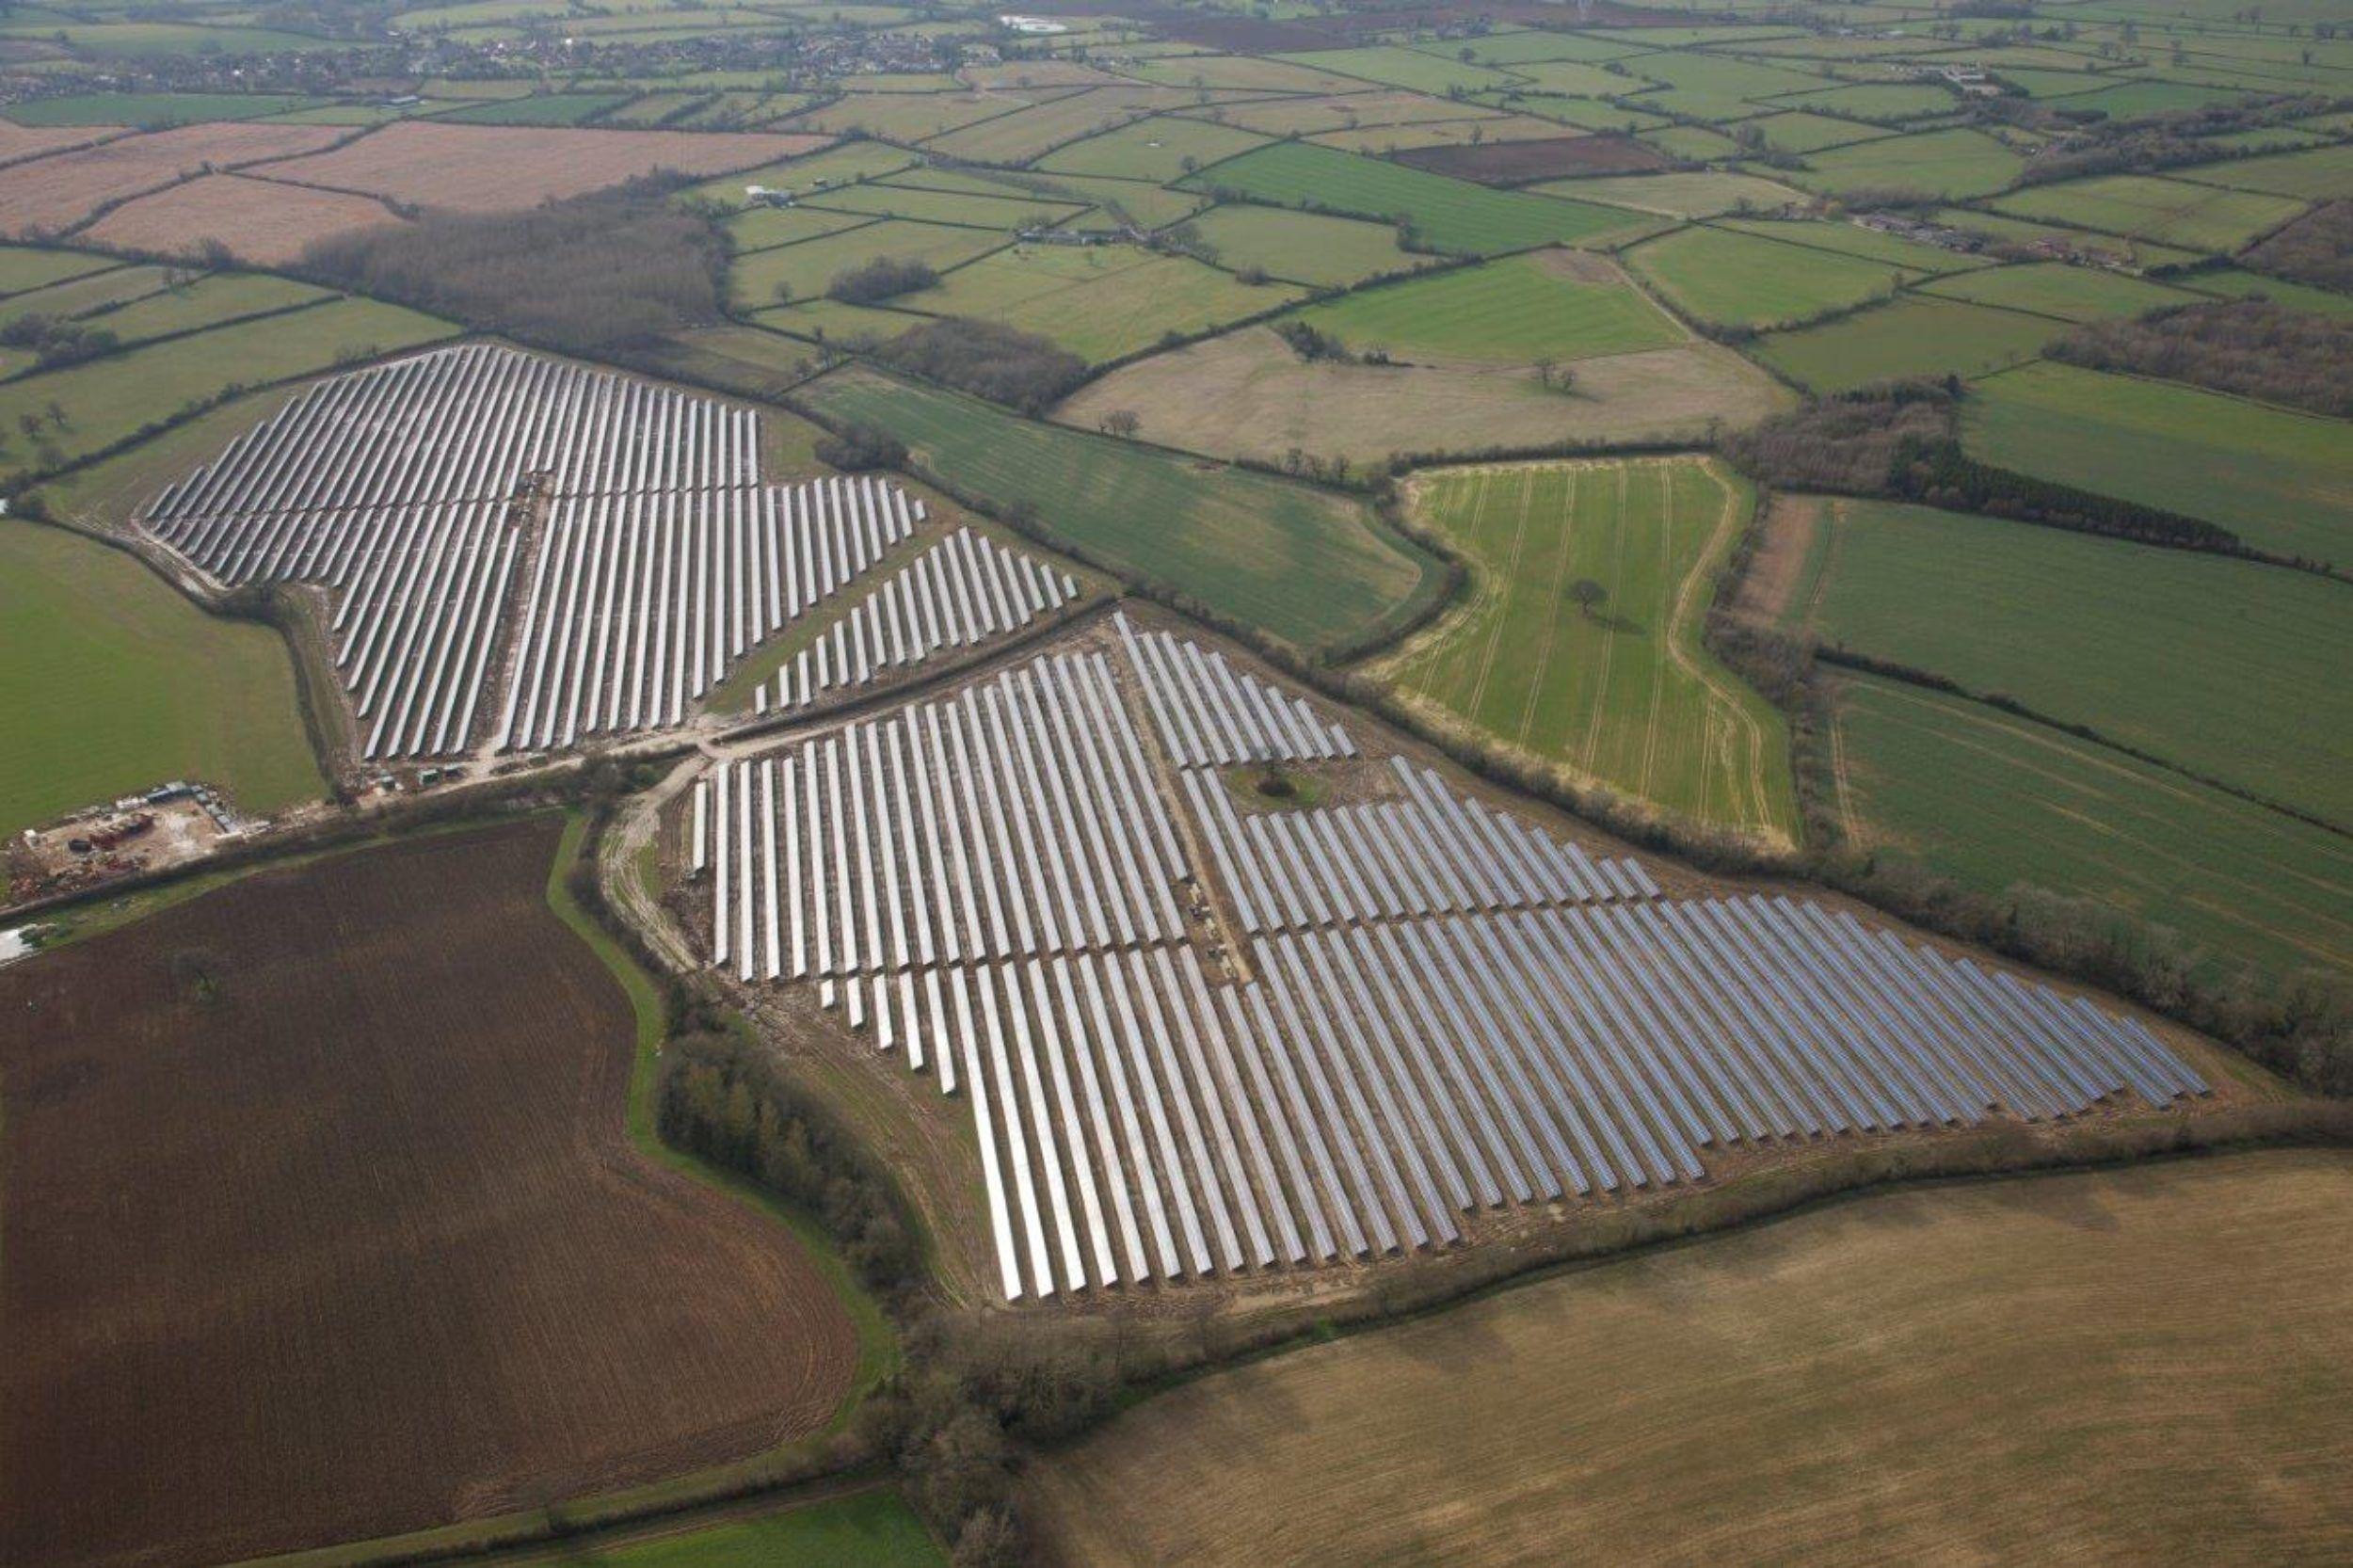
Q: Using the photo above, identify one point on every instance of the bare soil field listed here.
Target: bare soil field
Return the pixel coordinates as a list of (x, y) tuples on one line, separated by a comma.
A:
[(56, 193), (1517, 163), (320, 1225), (491, 167), (2134, 1365), (18, 142), (263, 221), (1247, 395)]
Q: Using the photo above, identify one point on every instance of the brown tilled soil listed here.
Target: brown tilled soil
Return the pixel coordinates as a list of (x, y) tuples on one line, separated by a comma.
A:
[(491, 167), (259, 220), (1515, 163), (59, 191), (318, 1223)]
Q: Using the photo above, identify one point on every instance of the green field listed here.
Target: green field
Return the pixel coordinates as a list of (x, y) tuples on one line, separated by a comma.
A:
[(2055, 289), (1853, 239), (1952, 164), (2019, 230), (1513, 310), (1885, 103), (2282, 481), (207, 302), (1159, 148), (1449, 214), (1306, 247), (1305, 565), (2226, 669), (2136, 1366), (1734, 279), (762, 228), (22, 268), (112, 683), (1916, 334), (811, 267), (1994, 801), (552, 108), (2171, 212), (1099, 302), (91, 291), (1799, 132), (884, 200), (2232, 283), (153, 109), (109, 399), (1626, 694), (2321, 173), (1701, 193), (866, 1529)]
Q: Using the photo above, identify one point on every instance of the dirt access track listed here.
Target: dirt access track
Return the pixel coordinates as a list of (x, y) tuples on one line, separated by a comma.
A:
[(317, 1222)]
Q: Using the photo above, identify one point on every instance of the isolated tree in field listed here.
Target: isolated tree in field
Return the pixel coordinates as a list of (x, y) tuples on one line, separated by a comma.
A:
[(1587, 595), (1122, 422), (783, 292), (29, 423)]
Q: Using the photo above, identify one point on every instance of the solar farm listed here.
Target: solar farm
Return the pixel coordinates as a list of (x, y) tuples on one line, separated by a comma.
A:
[(523, 554), (1199, 1036)]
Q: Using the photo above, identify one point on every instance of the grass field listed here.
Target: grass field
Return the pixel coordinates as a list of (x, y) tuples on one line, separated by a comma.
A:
[(2225, 667), (153, 109), (1247, 395), (1306, 247), (1851, 239), (1099, 302), (2282, 481), (1994, 801), (552, 108), (1450, 214), (1915, 334), (108, 399), (112, 681), (2320, 173), (806, 268), (1624, 694), (2143, 207), (1994, 1372), (2055, 289), (1304, 564), (867, 1530), (22, 268), (1516, 310), (207, 302), (1953, 164), (1701, 193), (1734, 279), (1160, 150), (762, 228), (883, 199)]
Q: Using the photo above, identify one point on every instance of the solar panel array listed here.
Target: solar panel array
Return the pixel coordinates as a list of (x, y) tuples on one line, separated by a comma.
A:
[(1436, 1011), (962, 591), (661, 561), (1210, 713)]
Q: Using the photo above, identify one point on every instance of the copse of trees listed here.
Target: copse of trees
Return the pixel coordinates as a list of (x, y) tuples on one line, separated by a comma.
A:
[(857, 448), (2316, 248), (55, 341), (1846, 445), (884, 278), (725, 1100), (611, 271), (1021, 370), (2248, 347)]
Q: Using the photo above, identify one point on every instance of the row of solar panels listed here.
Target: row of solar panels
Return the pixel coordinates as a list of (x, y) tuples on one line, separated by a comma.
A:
[(960, 592), (464, 423), (1372, 1087), (638, 603), (1441, 1009), (1428, 852), (1210, 713), (1019, 818)]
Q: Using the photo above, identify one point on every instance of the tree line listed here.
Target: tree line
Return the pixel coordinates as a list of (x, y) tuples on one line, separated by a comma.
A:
[(2249, 346)]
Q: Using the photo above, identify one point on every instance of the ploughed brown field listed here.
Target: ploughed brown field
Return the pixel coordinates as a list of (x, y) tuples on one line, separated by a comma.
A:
[(317, 1221), (1516, 163), (259, 220), (484, 169), (65, 189)]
